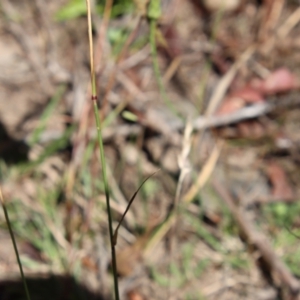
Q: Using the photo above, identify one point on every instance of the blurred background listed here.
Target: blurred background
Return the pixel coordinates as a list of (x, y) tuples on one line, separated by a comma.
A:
[(208, 97)]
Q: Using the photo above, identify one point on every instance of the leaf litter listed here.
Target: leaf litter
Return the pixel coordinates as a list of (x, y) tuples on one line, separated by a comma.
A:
[(216, 62)]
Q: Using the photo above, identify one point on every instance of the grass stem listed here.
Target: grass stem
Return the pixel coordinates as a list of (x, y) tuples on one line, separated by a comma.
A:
[(14, 245), (101, 148)]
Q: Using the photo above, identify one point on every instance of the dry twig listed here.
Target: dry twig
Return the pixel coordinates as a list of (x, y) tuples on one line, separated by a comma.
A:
[(261, 242)]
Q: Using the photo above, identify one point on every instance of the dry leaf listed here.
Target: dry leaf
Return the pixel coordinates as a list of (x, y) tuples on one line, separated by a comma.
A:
[(281, 187), (280, 81), (231, 104), (134, 295), (249, 94), (239, 99)]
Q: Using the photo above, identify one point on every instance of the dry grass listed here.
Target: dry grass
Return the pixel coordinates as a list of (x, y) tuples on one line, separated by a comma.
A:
[(50, 166)]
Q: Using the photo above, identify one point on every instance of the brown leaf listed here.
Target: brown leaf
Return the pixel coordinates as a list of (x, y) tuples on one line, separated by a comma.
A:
[(134, 295), (239, 99), (280, 81), (249, 94), (231, 104), (281, 187), (257, 84)]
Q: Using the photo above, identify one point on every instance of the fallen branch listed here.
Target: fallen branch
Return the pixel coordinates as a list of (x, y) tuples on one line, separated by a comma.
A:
[(170, 125), (248, 112), (262, 244)]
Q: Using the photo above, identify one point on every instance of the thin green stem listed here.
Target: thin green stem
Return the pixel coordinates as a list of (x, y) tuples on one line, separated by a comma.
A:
[(101, 149), (14, 245), (106, 188), (127, 209)]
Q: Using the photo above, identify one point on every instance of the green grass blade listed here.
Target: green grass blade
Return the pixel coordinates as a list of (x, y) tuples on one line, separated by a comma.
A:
[(115, 236), (14, 245)]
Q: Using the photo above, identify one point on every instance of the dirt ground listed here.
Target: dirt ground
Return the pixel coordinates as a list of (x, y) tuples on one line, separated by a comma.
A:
[(219, 127)]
